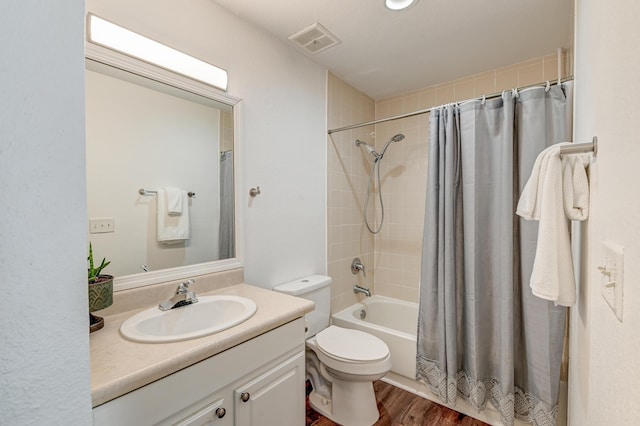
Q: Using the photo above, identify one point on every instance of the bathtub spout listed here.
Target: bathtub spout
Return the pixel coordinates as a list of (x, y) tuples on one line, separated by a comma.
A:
[(357, 289)]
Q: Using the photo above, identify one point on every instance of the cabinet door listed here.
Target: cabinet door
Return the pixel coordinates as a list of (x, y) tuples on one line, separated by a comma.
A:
[(214, 414), (273, 398)]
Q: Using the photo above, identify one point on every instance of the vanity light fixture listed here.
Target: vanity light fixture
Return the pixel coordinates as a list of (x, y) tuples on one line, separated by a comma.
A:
[(397, 5), (115, 37)]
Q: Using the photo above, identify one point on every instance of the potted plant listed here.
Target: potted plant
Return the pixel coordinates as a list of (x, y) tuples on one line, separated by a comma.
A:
[(100, 290)]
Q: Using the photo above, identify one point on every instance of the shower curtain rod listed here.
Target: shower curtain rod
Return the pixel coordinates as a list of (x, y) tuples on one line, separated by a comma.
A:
[(424, 111)]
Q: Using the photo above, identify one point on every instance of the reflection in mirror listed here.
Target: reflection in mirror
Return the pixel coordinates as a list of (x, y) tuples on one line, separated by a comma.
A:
[(142, 134)]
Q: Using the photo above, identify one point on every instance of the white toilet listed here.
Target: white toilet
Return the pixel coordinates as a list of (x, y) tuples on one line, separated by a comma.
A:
[(341, 363)]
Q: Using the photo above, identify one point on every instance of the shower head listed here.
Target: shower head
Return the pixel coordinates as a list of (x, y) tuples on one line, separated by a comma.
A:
[(397, 138), (394, 138), (369, 148), (377, 157)]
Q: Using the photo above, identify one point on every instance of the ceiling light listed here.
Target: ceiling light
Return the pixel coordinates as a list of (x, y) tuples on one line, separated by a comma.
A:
[(112, 36), (399, 4)]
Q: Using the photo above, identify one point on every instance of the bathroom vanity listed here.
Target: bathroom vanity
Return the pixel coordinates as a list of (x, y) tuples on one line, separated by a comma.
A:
[(250, 374)]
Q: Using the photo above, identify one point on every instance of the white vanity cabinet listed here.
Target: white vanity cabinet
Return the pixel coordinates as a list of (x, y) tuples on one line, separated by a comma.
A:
[(258, 382)]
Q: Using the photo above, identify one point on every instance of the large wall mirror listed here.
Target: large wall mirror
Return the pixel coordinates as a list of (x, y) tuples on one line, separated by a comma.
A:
[(152, 136)]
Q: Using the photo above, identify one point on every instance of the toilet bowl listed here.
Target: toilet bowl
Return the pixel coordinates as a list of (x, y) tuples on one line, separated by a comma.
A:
[(341, 363), (350, 360)]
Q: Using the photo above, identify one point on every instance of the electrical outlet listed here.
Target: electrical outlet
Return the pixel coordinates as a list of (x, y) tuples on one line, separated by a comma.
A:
[(101, 225), (612, 276)]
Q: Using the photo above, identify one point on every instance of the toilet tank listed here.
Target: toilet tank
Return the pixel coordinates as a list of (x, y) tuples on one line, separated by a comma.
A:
[(316, 288)]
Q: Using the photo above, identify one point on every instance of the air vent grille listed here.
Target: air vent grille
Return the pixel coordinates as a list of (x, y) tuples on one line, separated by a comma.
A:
[(314, 38)]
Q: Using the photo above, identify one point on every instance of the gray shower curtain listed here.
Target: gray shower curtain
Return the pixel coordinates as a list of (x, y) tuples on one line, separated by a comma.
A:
[(482, 335), (226, 242)]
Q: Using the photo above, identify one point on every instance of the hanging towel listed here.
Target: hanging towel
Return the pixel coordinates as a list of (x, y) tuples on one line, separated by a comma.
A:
[(575, 186), (172, 229), (542, 199), (175, 200), (531, 197)]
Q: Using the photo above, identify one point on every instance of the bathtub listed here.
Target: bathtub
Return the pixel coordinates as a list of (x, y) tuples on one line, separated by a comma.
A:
[(392, 320), (396, 323)]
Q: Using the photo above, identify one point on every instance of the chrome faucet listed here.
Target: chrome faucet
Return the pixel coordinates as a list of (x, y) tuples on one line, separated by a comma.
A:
[(357, 266), (183, 297), (357, 289)]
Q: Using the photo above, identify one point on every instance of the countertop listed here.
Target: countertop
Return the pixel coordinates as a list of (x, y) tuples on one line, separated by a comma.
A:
[(119, 366)]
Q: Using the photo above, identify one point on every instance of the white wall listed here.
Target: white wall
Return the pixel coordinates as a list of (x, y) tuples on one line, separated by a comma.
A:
[(44, 356), (282, 130), (604, 379), (44, 365), (142, 138)]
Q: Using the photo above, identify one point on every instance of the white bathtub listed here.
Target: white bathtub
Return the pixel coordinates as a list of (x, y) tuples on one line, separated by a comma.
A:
[(394, 321)]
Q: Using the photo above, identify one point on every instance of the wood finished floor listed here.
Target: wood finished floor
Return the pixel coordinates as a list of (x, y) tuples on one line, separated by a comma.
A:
[(401, 408)]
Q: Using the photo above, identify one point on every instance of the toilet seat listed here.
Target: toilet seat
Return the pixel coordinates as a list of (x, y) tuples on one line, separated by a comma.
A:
[(341, 355), (351, 346)]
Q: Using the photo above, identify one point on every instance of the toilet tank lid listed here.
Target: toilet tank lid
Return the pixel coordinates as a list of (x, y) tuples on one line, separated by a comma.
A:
[(303, 285)]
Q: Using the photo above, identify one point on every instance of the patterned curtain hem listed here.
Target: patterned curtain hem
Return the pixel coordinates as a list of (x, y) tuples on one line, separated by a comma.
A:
[(519, 404)]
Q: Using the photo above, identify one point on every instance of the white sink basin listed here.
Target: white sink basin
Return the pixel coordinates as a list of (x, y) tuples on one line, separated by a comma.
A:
[(209, 315)]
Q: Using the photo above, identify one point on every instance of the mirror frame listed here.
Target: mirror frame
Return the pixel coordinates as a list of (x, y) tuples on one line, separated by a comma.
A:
[(115, 59)]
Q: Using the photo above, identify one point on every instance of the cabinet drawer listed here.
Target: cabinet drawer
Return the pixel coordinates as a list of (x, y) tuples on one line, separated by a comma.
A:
[(214, 414)]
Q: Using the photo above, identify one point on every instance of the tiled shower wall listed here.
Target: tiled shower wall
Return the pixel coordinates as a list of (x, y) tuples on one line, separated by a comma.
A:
[(347, 183), (392, 257)]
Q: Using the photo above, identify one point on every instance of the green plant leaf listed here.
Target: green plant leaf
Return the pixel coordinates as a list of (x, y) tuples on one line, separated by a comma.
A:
[(92, 271)]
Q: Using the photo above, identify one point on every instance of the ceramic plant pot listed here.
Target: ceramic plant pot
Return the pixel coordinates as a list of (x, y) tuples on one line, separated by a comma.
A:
[(100, 297)]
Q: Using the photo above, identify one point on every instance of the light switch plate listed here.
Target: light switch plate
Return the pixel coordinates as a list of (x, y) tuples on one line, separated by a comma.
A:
[(101, 225), (612, 276)]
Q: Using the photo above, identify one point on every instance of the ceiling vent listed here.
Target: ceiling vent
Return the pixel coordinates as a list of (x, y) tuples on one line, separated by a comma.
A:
[(314, 38)]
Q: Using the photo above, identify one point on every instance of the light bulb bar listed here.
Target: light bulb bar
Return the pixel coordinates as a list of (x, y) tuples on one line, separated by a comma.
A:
[(115, 37)]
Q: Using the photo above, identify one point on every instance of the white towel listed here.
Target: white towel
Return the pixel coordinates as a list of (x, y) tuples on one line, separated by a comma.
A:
[(531, 198), (172, 229), (552, 277), (575, 186), (175, 200)]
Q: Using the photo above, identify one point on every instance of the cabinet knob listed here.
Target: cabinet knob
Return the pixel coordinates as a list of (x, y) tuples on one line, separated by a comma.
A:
[(244, 396), (220, 412)]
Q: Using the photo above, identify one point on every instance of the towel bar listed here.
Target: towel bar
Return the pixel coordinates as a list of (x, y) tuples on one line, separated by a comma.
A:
[(580, 148), (149, 192)]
